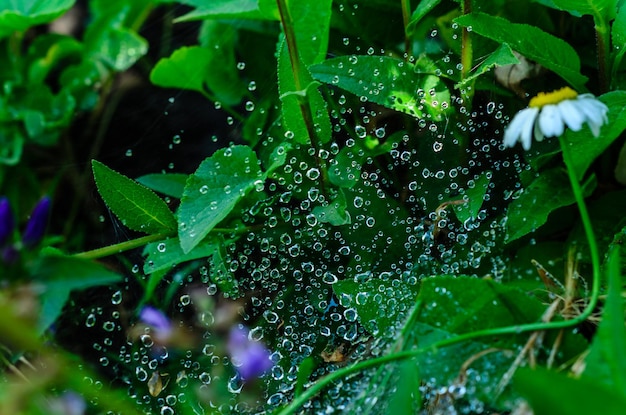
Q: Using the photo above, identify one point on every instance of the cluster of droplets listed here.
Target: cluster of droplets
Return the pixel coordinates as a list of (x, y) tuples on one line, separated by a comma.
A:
[(291, 263)]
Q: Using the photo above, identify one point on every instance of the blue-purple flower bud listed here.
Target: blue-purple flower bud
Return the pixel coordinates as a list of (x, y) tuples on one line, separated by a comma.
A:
[(161, 326), (250, 357), (36, 226), (7, 222), (70, 403)]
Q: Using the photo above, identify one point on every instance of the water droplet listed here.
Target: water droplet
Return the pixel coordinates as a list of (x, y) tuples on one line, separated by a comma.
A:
[(360, 131), (329, 278), (185, 300), (205, 378), (141, 374), (116, 298), (313, 174)]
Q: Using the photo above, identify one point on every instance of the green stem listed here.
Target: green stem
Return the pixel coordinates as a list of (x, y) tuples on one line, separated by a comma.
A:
[(305, 108), (406, 16), (290, 37), (586, 220), (595, 291), (122, 246), (466, 92), (136, 243), (616, 63), (466, 43), (602, 47)]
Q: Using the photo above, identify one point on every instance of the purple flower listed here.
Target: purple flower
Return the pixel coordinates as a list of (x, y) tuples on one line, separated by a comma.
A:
[(36, 226), (7, 223), (160, 324), (251, 358), (70, 403)]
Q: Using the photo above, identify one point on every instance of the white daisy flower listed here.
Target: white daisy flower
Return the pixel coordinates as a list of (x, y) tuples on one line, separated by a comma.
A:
[(548, 114)]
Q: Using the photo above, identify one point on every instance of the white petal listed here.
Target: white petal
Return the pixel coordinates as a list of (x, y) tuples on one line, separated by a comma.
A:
[(537, 133), (595, 111), (571, 114), (520, 127), (527, 129), (550, 121), (595, 128)]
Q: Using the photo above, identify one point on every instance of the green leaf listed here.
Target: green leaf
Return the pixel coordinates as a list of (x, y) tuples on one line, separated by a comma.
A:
[(551, 393), (11, 146), (549, 191), (304, 372), (500, 57), (278, 157), (407, 398), (34, 122), (465, 304), (422, 9), (584, 147), (371, 299), (60, 275), (201, 69), (301, 101), (186, 68), (218, 184), (452, 305), (225, 9), (20, 15), (535, 44), (138, 207), (475, 195), (44, 114), (163, 255), (78, 80), (604, 9), (49, 53), (387, 81), (221, 74), (119, 13), (346, 170), (375, 220), (334, 213), (170, 184), (311, 21), (111, 37), (607, 219), (221, 275), (119, 49), (295, 102), (606, 361), (618, 29)]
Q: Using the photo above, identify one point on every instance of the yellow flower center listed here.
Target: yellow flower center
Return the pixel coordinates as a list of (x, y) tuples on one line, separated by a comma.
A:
[(554, 97)]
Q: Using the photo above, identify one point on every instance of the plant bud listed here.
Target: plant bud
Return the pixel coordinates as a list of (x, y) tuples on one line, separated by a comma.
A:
[(36, 226), (7, 223)]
